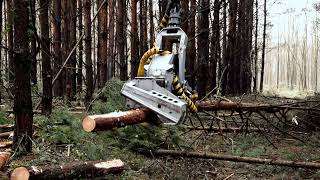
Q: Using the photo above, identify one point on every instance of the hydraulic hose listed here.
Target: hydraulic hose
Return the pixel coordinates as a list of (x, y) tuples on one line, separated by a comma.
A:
[(180, 92)]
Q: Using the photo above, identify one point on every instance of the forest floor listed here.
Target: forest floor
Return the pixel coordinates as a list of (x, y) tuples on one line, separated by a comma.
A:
[(60, 139)]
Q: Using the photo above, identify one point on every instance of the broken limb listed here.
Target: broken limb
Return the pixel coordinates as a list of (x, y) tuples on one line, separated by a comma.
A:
[(277, 162)]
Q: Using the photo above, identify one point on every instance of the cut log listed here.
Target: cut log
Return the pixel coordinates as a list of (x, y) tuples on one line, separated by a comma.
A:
[(278, 162), (87, 169), (4, 157), (118, 119), (5, 135), (6, 144), (6, 128)]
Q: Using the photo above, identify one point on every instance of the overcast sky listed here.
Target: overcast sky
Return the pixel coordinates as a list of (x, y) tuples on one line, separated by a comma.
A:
[(284, 11)]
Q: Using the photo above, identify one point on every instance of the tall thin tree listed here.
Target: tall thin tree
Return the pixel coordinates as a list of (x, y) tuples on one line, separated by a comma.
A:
[(263, 44), (88, 64), (46, 61), (23, 129), (203, 50), (80, 49), (134, 39)]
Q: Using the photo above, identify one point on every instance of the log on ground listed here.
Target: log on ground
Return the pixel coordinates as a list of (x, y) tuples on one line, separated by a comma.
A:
[(6, 128), (118, 119), (6, 135), (4, 157), (86, 169), (252, 160)]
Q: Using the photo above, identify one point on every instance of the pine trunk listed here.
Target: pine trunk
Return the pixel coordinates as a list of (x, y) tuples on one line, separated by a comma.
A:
[(22, 89), (134, 40), (10, 44), (88, 64), (151, 16), (121, 17), (203, 58), (111, 55), (33, 42), (46, 62), (103, 40), (80, 50), (56, 43), (263, 44), (191, 51)]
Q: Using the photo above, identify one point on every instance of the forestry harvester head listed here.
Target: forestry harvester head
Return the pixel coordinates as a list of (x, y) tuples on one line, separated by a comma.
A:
[(161, 84)]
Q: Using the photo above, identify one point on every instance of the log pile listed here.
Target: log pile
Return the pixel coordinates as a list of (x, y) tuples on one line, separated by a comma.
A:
[(69, 171)]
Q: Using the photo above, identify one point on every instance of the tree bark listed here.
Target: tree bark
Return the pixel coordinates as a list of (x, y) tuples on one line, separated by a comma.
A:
[(46, 62), (10, 44), (1, 60), (134, 40), (250, 160), (263, 44), (65, 46), (255, 79), (80, 49), (191, 50), (56, 43), (69, 171), (117, 119), (103, 40), (88, 65), (121, 29), (215, 45), (111, 39), (22, 66), (151, 16), (203, 52), (33, 40), (71, 65)]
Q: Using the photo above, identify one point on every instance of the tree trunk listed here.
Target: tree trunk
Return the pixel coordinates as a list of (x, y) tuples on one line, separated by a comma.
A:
[(33, 42), (134, 40), (88, 64), (1, 60), (121, 29), (117, 119), (191, 50), (203, 58), (151, 32), (72, 170), (263, 44), (111, 54), (10, 44), (22, 66), (103, 40), (56, 43), (80, 58), (230, 84), (46, 62), (215, 45), (65, 46), (4, 157), (71, 65), (255, 79), (223, 64)]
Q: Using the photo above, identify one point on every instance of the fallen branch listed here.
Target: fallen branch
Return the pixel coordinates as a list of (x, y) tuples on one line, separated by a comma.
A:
[(277, 162), (117, 119), (223, 129), (69, 171)]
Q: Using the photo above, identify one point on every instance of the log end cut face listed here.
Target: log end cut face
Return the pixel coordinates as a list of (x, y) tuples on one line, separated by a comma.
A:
[(88, 124), (117, 163), (20, 173)]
